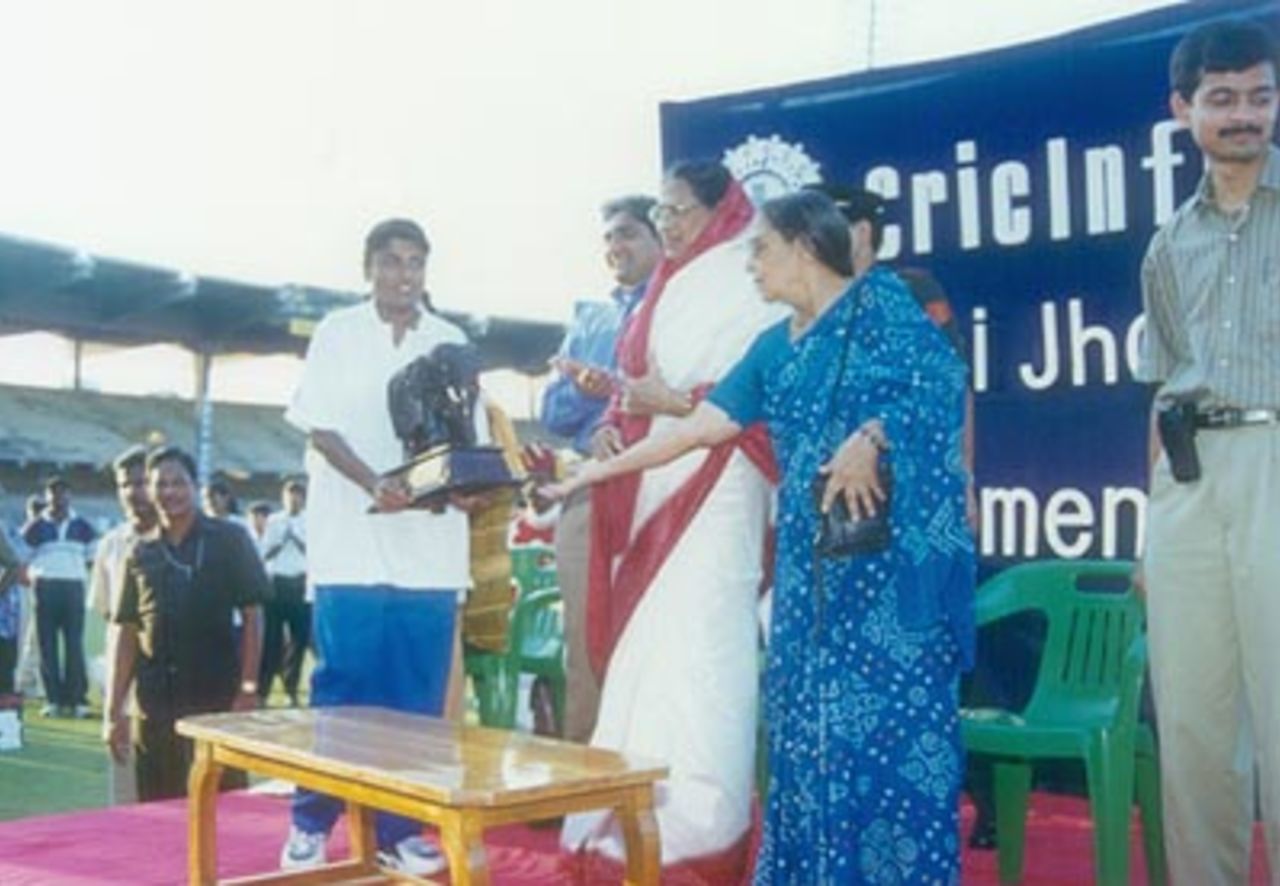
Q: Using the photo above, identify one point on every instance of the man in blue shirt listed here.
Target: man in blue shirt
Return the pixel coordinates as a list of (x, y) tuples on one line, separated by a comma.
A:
[(573, 403), (572, 407)]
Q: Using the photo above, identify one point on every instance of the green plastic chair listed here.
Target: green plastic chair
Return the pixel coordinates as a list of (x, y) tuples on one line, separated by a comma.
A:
[(495, 676), (536, 646), (494, 684), (1084, 705), (534, 567), (537, 642)]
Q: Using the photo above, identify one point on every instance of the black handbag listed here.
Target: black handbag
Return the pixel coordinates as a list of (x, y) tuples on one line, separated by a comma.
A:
[(839, 534)]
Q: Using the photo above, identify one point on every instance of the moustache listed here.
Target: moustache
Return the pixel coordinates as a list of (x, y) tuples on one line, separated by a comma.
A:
[(1239, 130)]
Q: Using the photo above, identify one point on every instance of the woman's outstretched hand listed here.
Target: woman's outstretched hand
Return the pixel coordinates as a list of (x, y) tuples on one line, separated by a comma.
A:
[(851, 472), (585, 475), (554, 492)]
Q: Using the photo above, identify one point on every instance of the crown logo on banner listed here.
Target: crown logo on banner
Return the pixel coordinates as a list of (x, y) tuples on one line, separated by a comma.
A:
[(770, 167)]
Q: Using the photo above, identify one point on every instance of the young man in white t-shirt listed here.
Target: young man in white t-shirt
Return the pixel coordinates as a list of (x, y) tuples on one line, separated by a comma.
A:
[(387, 578)]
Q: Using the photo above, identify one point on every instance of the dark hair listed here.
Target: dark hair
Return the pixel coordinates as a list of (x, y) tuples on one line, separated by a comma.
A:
[(55, 482), (637, 206), (295, 483), (133, 457), (813, 218), (857, 205), (1231, 45), (260, 507), (393, 229), (218, 485), (707, 179), (157, 457)]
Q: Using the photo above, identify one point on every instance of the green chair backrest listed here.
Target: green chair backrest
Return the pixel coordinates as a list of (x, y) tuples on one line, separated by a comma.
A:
[(537, 629), (1093, 617), (533, 567)]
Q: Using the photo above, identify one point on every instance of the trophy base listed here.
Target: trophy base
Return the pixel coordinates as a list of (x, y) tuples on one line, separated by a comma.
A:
[(434, 475)]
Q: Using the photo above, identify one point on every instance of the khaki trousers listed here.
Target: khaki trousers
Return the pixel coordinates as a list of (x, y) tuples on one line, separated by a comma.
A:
[(573, 552), (1213, 576), (122, 780)]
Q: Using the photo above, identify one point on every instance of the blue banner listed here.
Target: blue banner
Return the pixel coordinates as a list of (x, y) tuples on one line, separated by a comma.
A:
[(1028, 181)]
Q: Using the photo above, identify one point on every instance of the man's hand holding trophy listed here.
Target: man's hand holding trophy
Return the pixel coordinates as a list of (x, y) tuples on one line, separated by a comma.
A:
[(433, 402)]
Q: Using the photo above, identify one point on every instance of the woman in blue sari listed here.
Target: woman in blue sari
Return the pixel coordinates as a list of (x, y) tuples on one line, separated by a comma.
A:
[(865, 652)]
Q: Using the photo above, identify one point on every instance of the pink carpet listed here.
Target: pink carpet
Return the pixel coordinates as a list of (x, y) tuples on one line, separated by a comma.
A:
[(147, 845)]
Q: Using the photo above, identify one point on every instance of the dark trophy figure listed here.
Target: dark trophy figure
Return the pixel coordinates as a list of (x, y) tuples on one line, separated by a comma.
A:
[(433, 402)]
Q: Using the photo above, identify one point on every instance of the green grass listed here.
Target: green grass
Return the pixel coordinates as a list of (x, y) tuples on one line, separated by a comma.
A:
[(62, 766)]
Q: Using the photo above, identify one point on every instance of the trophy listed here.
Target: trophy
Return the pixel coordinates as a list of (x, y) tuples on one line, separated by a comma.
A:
[(433, 402)]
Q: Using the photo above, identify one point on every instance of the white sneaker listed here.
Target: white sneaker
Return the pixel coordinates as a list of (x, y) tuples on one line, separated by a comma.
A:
[(303, 850), (413, 856)]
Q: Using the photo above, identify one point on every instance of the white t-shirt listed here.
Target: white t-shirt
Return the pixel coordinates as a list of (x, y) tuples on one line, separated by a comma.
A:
[(343, 389), (62, 557), (289, 532)]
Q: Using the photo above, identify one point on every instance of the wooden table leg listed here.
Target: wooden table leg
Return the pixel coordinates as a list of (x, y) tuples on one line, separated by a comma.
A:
[(640, 832), (202, 825), (360, 828), (463, 841)]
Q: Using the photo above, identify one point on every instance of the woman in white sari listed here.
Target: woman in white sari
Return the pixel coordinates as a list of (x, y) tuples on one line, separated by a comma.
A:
[(677, 551)]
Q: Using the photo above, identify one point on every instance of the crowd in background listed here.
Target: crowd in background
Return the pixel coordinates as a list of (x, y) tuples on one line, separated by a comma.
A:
[(56, 567)]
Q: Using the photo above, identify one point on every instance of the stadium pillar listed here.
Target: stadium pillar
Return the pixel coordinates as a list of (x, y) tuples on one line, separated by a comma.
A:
[(204, 417)]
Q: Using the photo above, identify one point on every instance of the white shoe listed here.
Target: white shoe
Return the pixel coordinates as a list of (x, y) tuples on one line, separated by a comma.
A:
[(49, 710), (303, 850), (413, 856)]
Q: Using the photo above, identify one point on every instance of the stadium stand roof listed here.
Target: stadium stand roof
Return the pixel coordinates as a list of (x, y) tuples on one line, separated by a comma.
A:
[(54, 288), (57, 427), (66, 427)]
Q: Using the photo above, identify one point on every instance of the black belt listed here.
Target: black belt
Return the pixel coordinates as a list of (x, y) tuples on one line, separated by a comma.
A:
[(1231, 417)]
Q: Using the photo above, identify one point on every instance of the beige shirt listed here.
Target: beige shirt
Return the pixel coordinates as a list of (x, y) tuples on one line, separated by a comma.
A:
[(106, 582), (107, 577), (1211, 292)]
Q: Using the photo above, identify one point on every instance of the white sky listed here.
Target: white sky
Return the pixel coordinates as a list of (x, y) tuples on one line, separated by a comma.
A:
[(259, 139)]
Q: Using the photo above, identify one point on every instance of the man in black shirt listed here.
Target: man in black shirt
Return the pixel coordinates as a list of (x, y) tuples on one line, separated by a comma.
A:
[(176, 634)]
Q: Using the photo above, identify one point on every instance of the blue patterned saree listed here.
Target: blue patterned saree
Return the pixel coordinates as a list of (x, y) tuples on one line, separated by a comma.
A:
[(865, 653)]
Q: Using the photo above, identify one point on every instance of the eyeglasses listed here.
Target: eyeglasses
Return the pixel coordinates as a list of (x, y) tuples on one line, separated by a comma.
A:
[(664, 212)]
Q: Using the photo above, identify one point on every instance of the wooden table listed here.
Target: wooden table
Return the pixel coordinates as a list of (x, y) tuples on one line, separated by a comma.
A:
[(462, 779)]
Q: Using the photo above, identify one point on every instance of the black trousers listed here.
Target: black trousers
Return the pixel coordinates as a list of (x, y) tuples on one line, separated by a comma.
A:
[(8, 661), (60, 611), (162, 760), (288, 612)]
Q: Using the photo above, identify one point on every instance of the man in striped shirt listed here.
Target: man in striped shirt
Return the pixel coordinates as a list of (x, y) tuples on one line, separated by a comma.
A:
[(1211, 290), (60, 542)]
